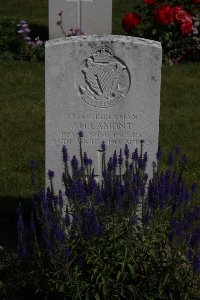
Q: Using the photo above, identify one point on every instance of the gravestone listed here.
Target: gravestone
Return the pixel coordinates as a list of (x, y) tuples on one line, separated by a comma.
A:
[(92, 16), (108, 87)]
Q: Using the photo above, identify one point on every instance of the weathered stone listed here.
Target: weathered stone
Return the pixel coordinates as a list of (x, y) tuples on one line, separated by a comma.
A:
[(95, 16), (106, 86)]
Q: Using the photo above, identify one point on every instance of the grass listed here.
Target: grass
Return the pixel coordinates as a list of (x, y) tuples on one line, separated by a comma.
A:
[(22, 112)]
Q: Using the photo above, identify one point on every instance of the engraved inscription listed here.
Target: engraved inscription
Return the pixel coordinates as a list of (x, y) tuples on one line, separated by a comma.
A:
[(113, 129), (103, 79)]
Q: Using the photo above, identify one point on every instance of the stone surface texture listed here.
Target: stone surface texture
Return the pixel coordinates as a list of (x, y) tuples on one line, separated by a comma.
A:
[(106, 86), (96, 17)]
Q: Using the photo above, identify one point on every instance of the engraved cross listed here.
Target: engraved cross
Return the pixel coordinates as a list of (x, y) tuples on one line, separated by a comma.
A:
[(100, 166), (79, 9)]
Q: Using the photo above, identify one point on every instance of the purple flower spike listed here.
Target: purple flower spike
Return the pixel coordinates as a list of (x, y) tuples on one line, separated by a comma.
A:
[(120, 158), (74, 163), (67, 252), (27, 30), (80, 134), (126, 151), (103, 146), (39, 43), (50, 174), (89, 161), (115, 159), (64, 154), (135, 155)]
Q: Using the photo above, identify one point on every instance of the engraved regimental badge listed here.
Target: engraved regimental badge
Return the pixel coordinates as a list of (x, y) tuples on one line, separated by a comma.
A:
[(103, 79)]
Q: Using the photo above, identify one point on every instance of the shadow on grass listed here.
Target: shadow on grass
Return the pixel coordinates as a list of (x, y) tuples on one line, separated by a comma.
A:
[(8, 219)]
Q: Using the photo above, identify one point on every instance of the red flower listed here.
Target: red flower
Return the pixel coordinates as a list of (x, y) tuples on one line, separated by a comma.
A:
[(164, 15), (184, 18), (151, 2), (130, 21), (186, 27), (195, 1)]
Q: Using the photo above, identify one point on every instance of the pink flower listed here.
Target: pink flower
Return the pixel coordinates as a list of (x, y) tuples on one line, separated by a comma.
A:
[(27, 38), (25, 25), (20, 31), (184, 19), (39, 43), (27, 30)]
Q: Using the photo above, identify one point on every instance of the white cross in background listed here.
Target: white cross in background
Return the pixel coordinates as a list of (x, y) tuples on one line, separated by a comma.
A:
[(79, 9)]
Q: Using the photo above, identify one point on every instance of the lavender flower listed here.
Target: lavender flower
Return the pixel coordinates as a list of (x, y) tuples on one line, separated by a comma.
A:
[(60, 200), (110, 164), (67, 252), (85, 159), (126, 151), (103, 146), (50, 174), (120, 158), (135, 155), (115, 159), (64, 154), (74, 163), (80, 134), (89, 161), (67, 217)]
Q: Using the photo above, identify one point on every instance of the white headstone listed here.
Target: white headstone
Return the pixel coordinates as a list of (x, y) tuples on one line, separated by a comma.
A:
[(108, 87), (91, 16)]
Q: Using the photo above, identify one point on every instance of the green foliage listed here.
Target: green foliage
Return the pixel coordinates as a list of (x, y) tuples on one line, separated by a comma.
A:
[(174, 24), (130, 259), (140, 264), (13, 46)]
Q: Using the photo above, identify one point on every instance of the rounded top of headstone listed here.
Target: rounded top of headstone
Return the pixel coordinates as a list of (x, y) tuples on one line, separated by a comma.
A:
[(103, 38)]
